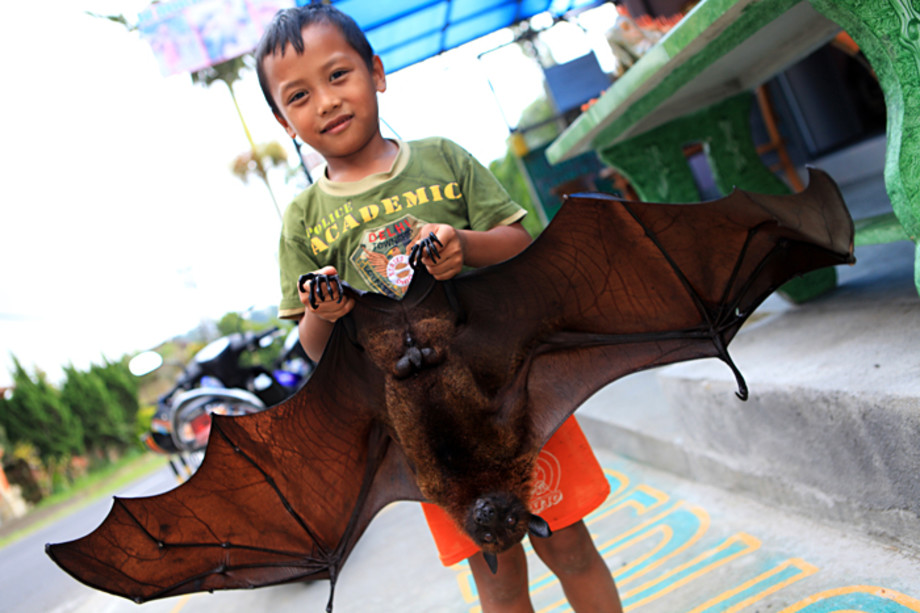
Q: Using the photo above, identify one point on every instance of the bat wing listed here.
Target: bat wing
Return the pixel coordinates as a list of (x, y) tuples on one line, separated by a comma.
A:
[(282, 495), (609, 288), (612, 287)]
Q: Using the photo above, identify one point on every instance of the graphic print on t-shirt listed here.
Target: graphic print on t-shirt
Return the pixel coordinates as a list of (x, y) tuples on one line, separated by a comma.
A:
[(382, 257)]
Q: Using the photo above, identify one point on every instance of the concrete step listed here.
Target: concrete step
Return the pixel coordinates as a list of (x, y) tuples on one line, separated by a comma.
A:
[(832, 427)]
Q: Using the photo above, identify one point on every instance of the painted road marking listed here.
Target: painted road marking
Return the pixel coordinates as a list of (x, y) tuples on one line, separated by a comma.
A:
[(657, 546)]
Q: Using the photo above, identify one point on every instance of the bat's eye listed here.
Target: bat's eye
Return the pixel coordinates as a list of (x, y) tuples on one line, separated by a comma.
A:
[(487, 537), (510, 521)]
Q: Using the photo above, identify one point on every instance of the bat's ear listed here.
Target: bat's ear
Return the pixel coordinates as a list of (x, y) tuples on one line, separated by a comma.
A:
[(538, 527)]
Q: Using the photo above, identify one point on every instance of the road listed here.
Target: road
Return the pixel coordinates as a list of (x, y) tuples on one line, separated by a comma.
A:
[(31, 582)]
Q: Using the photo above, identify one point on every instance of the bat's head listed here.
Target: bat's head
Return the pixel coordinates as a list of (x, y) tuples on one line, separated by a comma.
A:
[(497, 521)]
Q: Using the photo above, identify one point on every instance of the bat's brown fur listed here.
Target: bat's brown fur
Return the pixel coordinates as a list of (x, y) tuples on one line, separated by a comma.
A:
[(460, 439)]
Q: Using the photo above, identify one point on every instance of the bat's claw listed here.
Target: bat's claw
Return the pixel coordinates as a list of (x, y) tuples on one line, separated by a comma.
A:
[(320, 287), (425, 246), (537, 526), (491, 561)]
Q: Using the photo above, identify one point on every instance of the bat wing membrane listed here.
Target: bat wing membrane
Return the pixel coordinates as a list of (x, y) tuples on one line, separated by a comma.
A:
[(612, 287), (281, 496)]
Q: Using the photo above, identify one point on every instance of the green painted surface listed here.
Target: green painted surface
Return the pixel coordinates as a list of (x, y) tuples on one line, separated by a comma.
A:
[(752, 18), (883, 228), (663, 70), (655, 164), (654, 161), (888, 32)]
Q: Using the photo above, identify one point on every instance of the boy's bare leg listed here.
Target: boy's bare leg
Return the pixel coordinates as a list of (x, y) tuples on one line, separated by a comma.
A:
[(507, 591), (587, 582)]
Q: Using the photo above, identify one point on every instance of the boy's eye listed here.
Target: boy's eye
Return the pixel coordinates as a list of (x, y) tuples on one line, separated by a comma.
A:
[(296, 96), (338, 74)]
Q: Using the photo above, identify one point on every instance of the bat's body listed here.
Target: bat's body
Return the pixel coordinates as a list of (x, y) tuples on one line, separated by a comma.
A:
[(449, 394), (465, 431)]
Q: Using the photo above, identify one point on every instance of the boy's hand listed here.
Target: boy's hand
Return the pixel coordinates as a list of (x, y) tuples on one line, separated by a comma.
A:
[(450, 252), (328, 306)]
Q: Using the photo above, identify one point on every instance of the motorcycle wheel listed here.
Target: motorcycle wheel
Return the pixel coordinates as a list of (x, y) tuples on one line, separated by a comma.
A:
[(192, 421)]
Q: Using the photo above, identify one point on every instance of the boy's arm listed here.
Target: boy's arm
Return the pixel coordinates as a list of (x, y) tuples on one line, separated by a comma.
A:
[(473, 248)]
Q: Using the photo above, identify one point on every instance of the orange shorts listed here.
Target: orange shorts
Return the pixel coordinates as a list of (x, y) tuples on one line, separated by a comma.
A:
[(568, 484)]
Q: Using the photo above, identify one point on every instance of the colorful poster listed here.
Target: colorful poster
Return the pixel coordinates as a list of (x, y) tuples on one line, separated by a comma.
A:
[(188, 35)]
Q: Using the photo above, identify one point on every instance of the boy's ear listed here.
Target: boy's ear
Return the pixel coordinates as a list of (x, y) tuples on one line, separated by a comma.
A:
[(380, 77), (284, 124)]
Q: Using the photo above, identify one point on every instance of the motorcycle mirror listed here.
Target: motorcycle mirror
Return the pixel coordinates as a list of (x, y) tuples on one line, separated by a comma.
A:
[(144, 363), (266, 341)]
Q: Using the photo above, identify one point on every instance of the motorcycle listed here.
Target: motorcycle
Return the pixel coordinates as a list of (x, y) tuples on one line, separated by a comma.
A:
[(215, 382)]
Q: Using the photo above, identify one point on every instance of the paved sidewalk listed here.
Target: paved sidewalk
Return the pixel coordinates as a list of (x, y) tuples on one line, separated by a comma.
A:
[(675, 546)]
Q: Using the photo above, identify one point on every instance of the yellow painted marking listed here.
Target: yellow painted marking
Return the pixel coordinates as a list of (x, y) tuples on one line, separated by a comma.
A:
[(752, 544), (627, 501), (622, 480), (548, 579), (639, 535), (643, 500), (465, 580), (182, 602), (667, 534), (806, 568), (699, 512), (903, 599)]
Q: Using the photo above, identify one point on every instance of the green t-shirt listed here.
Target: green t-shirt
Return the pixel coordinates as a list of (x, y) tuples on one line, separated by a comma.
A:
[(366, 228)]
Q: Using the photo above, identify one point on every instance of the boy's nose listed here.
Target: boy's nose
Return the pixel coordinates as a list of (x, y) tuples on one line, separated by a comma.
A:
[(328, 101)]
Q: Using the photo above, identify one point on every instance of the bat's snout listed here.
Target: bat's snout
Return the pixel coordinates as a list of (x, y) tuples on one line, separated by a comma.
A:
[(498, 521), (484, 512), (495, 522)]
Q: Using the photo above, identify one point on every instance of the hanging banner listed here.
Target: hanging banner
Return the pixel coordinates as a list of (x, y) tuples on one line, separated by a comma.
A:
[(188, 35)]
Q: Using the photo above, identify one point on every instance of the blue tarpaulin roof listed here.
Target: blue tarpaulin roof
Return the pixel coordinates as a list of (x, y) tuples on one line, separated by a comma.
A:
[(403, 32)]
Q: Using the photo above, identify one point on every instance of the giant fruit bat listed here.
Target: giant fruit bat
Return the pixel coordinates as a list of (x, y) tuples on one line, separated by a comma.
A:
[(449, 394)]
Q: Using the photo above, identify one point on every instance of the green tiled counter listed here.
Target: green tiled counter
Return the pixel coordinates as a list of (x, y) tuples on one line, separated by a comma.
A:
[(692, 86)]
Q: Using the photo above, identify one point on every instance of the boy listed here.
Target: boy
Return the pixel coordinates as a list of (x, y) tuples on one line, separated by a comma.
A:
[(370, 204)]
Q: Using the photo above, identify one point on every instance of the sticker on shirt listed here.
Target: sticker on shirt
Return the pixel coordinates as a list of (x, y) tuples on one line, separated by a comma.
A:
[(382, 257), (547, 474)]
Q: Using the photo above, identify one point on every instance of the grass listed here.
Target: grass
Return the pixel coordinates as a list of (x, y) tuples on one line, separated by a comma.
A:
[(84, 490)]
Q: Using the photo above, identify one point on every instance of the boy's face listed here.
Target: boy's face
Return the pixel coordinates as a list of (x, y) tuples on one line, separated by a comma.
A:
[(327, 96)]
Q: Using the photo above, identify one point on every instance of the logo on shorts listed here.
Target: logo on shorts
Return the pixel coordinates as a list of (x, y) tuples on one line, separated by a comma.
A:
[(547, 474)]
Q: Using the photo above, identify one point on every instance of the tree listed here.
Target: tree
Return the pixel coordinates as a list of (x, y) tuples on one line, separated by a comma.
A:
[(105, 425), (121, 384), (232, 323), (257, 158), (35, 414)]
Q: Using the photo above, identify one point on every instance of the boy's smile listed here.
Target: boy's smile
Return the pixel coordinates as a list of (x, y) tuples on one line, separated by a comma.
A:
[(328, 97), (337, 125)]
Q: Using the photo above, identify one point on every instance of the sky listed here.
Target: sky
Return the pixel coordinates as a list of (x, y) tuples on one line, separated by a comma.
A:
[(121, 225)]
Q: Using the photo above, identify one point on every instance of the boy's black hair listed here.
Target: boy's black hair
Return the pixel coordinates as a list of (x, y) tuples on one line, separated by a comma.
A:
[(286, 27)]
